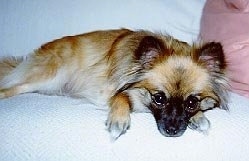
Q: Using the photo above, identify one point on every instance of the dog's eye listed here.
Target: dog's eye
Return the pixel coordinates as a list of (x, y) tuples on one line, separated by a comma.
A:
[(159, 98), (191, 104)]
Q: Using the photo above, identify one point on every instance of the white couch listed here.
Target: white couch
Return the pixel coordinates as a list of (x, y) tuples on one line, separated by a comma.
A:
[(35, 127)]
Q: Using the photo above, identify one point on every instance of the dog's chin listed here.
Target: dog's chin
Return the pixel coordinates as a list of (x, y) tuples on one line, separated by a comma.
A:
[(171, 132)]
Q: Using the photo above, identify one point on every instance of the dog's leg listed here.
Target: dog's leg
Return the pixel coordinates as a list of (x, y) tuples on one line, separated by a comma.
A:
[(31, 78), (200, 123), (15, 90), (119, 116)]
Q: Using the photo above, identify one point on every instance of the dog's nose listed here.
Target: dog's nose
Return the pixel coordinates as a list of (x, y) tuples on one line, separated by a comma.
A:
[(172, 131)]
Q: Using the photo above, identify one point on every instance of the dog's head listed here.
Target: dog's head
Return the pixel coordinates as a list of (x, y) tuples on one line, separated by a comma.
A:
[(181, 80)]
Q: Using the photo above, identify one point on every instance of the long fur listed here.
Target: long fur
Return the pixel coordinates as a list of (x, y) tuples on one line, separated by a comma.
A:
[(122, 69)]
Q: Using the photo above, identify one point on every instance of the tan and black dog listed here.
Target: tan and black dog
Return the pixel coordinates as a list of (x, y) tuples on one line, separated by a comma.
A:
[(127, 71)]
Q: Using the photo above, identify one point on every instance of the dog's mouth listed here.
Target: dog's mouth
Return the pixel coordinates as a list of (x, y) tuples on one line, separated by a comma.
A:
[(172, 128)]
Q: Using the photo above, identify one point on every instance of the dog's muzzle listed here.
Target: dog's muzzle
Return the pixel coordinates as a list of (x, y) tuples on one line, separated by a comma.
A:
[(172, 120), (172, 127)]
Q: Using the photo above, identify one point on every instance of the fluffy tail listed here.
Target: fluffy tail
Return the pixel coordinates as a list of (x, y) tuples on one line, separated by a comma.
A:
[(8, 64)]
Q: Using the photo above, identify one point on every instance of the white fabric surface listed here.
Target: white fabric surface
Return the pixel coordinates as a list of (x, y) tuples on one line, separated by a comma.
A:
[(35, 127), (53, 128)]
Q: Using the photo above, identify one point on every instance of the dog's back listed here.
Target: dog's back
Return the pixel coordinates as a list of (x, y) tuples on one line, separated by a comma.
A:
[(56, 66)]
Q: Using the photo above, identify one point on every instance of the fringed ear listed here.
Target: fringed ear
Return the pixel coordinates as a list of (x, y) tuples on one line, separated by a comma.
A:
[(212, 56), (149, 49)]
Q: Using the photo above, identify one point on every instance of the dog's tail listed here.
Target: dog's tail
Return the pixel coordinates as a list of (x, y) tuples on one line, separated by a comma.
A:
[(7, 64)]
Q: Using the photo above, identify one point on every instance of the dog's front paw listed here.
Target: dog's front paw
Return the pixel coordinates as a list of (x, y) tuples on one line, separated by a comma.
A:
[(118, 124), (199, 123), (118, 121)]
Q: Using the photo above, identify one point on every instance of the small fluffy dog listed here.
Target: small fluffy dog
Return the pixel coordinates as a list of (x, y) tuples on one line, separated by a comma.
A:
[(127, 71)]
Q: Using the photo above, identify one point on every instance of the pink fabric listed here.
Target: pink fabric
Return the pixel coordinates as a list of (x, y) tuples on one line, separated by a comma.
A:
[(227, 21)]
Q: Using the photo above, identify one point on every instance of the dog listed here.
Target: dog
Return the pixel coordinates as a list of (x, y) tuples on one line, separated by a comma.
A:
[(127, 71)]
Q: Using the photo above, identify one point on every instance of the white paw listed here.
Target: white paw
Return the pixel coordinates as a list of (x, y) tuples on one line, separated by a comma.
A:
[(117, 125), (200, 124)]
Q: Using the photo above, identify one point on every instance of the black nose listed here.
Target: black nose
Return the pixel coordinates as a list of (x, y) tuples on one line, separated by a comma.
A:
[(172, 131), (172, 128)]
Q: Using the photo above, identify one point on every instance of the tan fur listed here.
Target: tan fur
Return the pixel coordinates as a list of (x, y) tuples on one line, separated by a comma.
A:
[(119, 117), (117, 68), (8, 64)]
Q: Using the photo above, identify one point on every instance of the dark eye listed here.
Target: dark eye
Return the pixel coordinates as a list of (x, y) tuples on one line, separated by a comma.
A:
[(191, 104), (159, 98)]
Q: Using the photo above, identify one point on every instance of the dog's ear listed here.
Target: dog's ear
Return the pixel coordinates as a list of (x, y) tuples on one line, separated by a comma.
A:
[(149, 49), (212, 56)]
